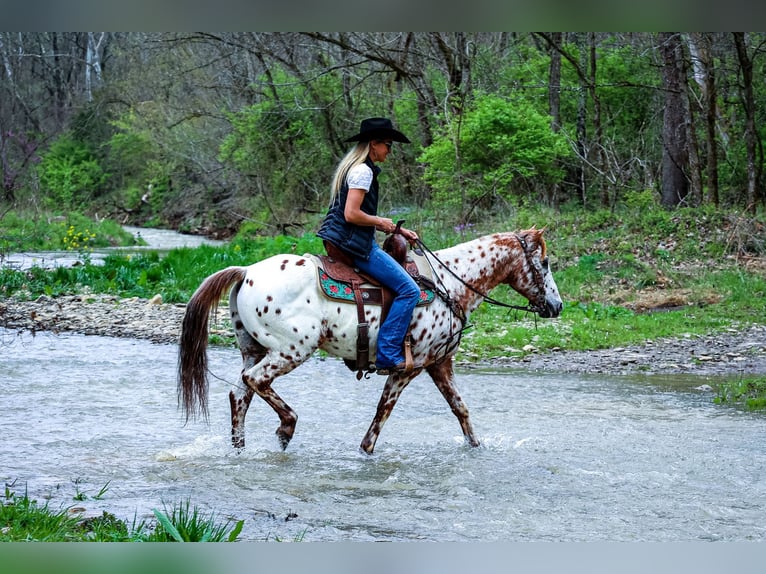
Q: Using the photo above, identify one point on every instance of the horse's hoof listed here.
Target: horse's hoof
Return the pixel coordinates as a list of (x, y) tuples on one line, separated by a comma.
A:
[(283, 439)]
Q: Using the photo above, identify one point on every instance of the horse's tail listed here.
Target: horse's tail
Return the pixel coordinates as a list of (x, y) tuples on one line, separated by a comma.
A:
[(192, 355)]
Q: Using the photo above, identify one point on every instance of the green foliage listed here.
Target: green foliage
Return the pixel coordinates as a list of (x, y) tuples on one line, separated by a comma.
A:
[(24, 519), (182, 524), (176, 275), (748, 392), (23, 231), (140, 170), (282, 150), (494, 144), (70, 174)]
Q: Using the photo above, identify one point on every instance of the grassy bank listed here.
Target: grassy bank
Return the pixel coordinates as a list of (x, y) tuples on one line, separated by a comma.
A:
[(23, 519), (626, 276)]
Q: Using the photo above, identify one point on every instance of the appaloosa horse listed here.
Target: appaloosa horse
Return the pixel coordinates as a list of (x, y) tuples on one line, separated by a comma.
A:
[(280, 317)]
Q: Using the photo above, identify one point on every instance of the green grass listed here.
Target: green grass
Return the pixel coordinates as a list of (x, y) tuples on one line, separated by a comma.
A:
[(69, 232), (184, 524), (23, 519), (746, 392)]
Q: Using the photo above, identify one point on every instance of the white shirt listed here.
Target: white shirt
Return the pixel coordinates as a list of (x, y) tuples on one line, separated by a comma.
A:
[(359, 177)]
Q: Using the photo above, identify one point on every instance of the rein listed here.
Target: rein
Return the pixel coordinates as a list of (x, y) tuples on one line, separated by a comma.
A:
[(484, 296)]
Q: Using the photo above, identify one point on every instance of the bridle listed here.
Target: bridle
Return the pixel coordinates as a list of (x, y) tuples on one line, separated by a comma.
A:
[(532, 308)]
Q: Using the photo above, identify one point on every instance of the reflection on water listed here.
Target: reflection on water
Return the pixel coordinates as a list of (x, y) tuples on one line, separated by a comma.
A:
[(563, 458)]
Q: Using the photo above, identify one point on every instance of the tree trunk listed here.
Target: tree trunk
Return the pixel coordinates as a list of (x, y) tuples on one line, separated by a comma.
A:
[(748, 102), (695, 168), (598, 143), (92, 64), (675, 185), (554, 105), (700, 46)]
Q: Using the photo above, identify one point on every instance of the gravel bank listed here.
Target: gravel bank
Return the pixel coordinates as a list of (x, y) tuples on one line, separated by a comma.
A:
[(732, 352)]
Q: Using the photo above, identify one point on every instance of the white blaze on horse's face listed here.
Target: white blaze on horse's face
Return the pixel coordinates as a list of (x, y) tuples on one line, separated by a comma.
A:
[(553, 304), (535, 280)]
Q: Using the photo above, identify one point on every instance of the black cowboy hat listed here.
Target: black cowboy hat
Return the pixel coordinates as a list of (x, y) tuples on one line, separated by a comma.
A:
[(378, 128)]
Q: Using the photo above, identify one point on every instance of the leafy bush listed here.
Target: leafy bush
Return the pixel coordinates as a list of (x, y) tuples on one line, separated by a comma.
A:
[(496, 143), (281, 151), (70, 175)]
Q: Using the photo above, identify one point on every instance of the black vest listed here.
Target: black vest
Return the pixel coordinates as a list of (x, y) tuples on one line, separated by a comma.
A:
[(353, 239)]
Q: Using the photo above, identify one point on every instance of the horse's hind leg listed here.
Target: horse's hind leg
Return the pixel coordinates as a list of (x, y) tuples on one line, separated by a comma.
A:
[(241, 395), (260, 377), (444, 377), (239, 400)]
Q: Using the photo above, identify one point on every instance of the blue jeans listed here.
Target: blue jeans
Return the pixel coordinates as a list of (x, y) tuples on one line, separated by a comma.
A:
[(385, 269)]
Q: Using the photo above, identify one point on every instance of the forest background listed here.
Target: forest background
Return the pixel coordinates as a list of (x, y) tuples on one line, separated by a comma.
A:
[(206, 132)]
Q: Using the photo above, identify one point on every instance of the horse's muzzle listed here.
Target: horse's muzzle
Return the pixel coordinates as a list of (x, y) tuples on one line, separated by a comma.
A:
[(550, 310)]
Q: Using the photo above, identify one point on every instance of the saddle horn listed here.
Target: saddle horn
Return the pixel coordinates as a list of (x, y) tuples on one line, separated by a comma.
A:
[(396, 245)]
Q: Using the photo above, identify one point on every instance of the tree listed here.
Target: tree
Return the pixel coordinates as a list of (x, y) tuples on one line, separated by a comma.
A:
[(701, 49), (675, 152), (748, 103)]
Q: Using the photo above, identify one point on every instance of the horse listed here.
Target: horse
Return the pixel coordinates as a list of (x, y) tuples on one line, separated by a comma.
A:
[(280, 318)]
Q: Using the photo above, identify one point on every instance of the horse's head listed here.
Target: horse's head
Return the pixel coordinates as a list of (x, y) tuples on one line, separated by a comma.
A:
[(532, 276)]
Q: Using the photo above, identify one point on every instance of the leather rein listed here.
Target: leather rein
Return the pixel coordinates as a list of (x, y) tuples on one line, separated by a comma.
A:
[(492, 301)]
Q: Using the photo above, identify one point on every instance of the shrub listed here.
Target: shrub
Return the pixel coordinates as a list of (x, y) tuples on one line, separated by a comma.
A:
[(70, 175)]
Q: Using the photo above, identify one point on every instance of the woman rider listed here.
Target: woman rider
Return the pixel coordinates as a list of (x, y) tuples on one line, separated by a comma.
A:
[(350, 225)]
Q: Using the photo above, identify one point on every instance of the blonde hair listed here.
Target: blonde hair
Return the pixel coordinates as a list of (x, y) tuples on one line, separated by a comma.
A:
[(354, 157)]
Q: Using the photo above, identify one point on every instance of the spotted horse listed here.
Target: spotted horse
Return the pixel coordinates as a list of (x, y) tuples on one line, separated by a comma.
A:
[(280, 318)]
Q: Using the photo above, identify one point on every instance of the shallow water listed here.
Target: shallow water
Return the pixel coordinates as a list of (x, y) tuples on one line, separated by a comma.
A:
[(161, 240), (565, 458)]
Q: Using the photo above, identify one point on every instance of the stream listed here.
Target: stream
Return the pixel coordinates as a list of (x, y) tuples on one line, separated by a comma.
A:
[(563, 457)]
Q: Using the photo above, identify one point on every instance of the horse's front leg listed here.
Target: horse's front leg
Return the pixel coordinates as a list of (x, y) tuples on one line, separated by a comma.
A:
[(391, 392), (444, 376)]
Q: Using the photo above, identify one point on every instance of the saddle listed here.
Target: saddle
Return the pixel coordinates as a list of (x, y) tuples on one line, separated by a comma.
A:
[(340, 281)]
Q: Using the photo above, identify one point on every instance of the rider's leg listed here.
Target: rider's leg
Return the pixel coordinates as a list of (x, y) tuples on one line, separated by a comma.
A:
[(385, 269)]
